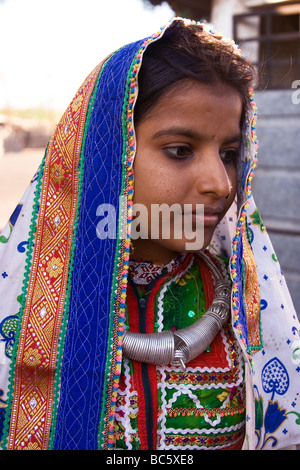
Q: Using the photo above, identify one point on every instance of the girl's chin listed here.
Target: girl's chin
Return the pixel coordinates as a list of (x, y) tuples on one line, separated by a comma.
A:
[(163, 251)]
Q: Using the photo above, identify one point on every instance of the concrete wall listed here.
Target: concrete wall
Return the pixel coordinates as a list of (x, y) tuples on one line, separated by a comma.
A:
[(276, 185)]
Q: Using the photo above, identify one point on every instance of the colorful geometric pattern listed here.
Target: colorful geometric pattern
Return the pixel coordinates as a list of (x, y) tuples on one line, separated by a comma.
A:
[(202, 407), (41, 323)]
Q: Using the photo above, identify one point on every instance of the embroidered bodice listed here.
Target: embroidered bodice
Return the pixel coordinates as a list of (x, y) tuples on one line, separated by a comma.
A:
[(164, 407)]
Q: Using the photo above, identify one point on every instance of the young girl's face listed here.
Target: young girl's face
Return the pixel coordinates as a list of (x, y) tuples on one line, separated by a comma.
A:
[(187, 147)]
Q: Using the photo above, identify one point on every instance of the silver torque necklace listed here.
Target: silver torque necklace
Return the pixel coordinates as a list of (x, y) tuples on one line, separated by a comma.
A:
[(177, 348)]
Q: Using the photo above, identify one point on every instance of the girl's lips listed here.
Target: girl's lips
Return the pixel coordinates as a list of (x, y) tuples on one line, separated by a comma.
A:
[(210, 217), (207, 220)]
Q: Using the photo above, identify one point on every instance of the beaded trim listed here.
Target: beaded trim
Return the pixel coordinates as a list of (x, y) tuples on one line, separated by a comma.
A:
[(198, 412)]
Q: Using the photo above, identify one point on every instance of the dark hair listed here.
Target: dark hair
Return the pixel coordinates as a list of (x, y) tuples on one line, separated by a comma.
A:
[(188, 51)]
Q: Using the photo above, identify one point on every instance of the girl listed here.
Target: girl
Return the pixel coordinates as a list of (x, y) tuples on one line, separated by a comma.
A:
[(114, 334)]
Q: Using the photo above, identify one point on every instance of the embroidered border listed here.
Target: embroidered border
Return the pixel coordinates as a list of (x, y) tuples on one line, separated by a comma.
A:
[(193, 442), (251, 294), (237, 321), (35, 361), (23, 299), (126, 406)]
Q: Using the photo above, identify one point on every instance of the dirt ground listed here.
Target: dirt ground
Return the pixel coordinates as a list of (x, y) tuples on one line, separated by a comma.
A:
[(16, 171)]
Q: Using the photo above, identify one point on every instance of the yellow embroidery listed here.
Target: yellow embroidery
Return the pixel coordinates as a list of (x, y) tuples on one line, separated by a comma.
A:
[(251, 293)]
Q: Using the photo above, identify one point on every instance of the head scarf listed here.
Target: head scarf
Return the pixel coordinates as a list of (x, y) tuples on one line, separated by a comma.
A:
[(63, 287)]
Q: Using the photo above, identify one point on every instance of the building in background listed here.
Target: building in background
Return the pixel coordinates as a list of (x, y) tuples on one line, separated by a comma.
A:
[(268, 33)]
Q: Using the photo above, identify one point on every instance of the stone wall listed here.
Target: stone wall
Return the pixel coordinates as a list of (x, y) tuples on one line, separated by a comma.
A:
[(276, 185)]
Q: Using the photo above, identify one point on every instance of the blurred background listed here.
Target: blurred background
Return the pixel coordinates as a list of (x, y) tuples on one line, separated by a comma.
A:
[(48, 47)]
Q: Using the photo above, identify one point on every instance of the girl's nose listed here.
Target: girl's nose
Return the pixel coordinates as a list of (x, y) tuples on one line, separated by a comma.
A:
[(213, 177)]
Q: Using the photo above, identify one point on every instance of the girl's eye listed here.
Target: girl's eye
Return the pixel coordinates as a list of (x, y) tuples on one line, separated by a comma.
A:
[(229, 156), (179, 153)]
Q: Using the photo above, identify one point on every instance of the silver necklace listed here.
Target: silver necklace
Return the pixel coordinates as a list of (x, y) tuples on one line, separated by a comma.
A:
[(177, 348)]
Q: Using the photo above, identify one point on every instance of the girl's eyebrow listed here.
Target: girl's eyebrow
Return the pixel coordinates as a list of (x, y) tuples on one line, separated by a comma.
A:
[(176, 131), (236, 139)]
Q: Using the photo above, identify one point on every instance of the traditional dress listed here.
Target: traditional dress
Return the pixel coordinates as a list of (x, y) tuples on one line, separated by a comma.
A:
[(166, 407), (68, 295)]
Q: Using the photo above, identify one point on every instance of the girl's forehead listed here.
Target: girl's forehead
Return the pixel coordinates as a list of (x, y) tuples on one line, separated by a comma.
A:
[(189, 91), (195, 107)]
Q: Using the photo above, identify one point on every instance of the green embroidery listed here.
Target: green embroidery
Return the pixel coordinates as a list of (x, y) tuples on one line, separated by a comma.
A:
[(257, 220), (4, 239), (297, 414), (8, 329), (179, 301)]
